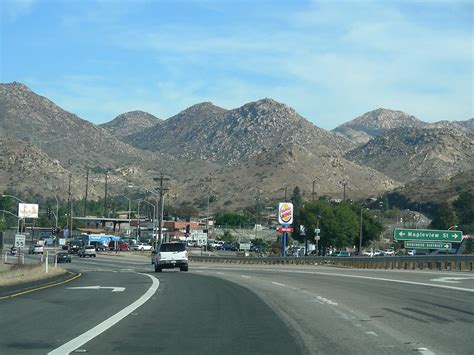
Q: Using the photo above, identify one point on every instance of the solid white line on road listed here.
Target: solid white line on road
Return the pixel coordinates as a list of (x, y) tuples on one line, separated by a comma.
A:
[(357, 277), (108, 323), (396, 281), (279, 284), (220, 273)]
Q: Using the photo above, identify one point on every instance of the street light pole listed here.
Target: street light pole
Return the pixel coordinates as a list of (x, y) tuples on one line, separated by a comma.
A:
[(360, 233), (155, 209), (19, 218), (14, 215), (129, 212), (154, 213)]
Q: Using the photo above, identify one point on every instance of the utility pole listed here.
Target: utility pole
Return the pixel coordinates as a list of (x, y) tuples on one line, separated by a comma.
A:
[(160, 226), (313, 193), (87, 188), (69, 205), (360, 233), (286, 189), (208, 202), (105, 195), (344, 194)]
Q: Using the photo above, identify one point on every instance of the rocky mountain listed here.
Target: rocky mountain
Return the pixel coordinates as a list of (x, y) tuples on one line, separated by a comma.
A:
[(64, 136), (76, 144), (26, 168), (129, 123), (467, 125), (433, 191), (234, 155), (266, 174), (374, 123), (211, 133), (408, 154)]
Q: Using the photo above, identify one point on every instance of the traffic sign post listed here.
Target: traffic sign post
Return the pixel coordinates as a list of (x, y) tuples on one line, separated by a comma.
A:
[(20, 240), (427, 235), (428, 245)]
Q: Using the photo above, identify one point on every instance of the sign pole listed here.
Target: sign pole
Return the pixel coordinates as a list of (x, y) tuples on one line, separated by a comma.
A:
[(285, 218)]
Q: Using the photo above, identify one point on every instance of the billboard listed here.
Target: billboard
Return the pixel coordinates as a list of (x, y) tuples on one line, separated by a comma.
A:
[(285, 213), (27, 210)]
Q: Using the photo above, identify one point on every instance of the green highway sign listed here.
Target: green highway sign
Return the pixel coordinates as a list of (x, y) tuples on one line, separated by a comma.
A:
[(427, 245), (427, 235)]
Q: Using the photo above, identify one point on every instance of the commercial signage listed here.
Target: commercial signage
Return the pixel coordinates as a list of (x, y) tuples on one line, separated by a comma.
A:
[(427, 245), (27, 210), (285, 213), (285, 229), (427, 235)]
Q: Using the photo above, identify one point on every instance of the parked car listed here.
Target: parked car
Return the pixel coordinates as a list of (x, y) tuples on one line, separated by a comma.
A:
[(36, 249), (119, 246), (63, 257), (88, 250), (229, 246), (171, 255), (142, 247), (219, 244)]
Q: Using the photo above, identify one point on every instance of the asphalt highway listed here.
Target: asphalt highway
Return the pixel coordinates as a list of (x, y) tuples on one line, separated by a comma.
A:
[(120, 306)]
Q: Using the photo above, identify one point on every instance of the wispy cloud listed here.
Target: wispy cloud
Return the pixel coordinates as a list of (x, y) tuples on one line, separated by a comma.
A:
[(16, 8)]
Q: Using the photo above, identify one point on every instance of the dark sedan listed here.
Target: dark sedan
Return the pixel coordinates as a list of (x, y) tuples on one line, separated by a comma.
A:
[(63, 257)]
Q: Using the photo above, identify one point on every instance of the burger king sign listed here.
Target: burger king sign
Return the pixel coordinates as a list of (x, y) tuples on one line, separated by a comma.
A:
[(285, 213)]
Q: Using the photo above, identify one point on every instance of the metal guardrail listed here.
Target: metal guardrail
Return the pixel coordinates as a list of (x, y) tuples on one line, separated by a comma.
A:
[(429, 262)]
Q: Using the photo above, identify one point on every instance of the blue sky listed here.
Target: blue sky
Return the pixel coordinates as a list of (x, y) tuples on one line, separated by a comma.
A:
[(330, 60)]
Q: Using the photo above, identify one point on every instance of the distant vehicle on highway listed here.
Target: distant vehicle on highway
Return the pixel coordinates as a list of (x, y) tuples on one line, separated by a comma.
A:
[(36, 249), (142, 247), (122, 246), (341, 254), (171, 255), (63, 257), (88, 250)]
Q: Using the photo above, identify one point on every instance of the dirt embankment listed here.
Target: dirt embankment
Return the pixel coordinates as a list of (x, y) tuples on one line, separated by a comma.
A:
[(18, 274)]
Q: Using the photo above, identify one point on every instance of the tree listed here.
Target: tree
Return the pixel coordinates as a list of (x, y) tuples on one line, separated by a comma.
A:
[(229, 219), (228, 237), (464, 208), (444, 217), (297, 201)]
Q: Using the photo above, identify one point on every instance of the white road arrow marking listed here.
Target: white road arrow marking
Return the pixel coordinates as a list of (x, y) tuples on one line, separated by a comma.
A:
[(114, 289), (452, 280)]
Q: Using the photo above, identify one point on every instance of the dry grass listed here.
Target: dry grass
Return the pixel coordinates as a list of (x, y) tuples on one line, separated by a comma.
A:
[(17, 274)]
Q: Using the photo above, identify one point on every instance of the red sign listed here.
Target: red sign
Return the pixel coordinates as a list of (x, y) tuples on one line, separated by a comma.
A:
[(281, 229)]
